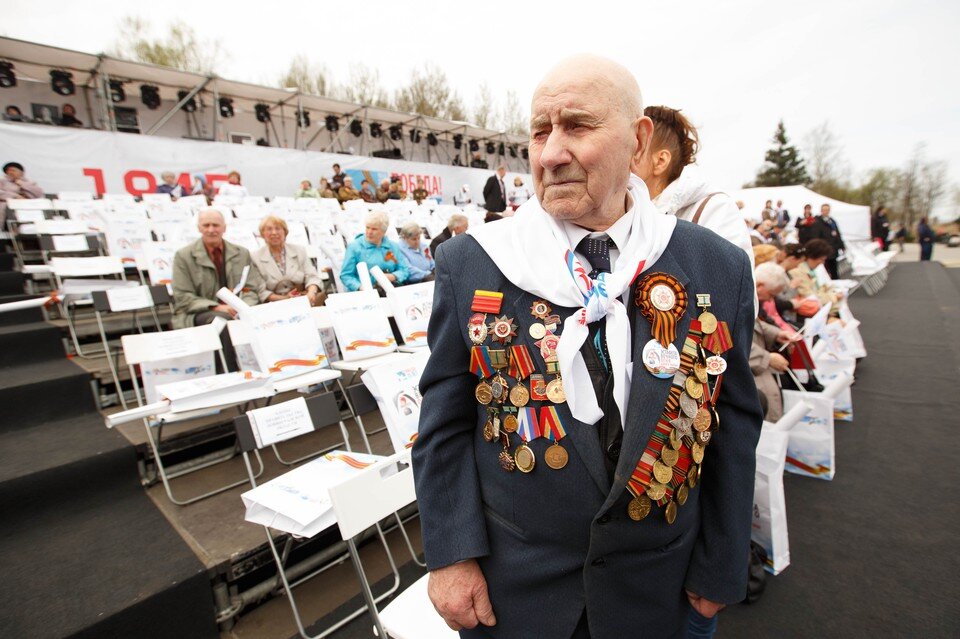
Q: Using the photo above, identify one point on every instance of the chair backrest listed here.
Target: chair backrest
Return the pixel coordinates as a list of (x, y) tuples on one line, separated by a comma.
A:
[(323, 412), (372, 494), (153, 347), (74, 196), (156, 197), (86, 266), (61, 227), (36, 204), (119, 197), (128, 299), (79, 243)]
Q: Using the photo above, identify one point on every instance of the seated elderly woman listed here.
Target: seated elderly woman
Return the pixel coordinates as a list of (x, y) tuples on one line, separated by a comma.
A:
[(286, 269), (770, 280), (417, 252), (804, 276), (375, 249)]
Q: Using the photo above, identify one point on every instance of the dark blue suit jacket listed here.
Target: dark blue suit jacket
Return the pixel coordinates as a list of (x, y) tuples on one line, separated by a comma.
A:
[(553, 542)]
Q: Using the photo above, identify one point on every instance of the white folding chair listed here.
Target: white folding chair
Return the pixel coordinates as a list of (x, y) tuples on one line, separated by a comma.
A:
[(74, 196), (72, 276), (360, 503), (324, 411), (149, 348)]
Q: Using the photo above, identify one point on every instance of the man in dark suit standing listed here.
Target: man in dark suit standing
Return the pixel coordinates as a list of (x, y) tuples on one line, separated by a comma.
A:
[(830, 232), (494, 192), (571, 474)]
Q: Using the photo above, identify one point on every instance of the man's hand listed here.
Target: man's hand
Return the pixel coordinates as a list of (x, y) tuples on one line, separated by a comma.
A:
[(223, 308), (459, 593), (705, 607), (779, 363), (785, 336)]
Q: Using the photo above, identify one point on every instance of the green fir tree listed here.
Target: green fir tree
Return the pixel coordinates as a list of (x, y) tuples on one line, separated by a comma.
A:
[(783, 164)]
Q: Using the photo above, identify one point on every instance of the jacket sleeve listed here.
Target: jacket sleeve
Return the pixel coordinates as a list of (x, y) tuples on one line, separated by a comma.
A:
[(402, 270), (310, 275), (718, 564), (488, 191), (348, 270), (31, 188), (444, 467), (185, 298)]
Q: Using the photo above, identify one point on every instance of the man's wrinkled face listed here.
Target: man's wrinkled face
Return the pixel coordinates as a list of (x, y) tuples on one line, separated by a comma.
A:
[(211, 227), (581, 145)]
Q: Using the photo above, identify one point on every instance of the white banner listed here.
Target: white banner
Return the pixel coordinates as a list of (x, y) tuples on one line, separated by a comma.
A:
[(65, 159)]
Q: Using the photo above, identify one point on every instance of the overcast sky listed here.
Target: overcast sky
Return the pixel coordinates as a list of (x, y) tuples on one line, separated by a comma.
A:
[(883, 73)]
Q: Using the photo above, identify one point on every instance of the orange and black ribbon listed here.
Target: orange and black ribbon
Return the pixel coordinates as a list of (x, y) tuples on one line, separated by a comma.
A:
[(663, 323)]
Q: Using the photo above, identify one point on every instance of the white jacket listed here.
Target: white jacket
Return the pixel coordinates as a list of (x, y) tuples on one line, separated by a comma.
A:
[(683, 197)]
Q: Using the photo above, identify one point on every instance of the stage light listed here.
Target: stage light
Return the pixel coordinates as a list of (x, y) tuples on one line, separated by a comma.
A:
[(191, 104), (376, 130), (474, 146), (150, 96), (356, 128), (263, 112), (8, 78), (432, 139), (303, 118), (62, 82), (458, 141), (491, 148), (396, 132), (226, 107), (415, 136), (513, 150), (117, 94), (501, 149), (332, 123), (524, 153)]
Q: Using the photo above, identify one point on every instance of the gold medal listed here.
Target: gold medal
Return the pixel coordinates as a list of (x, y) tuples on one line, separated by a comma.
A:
[(519, 395), (639, 507), (540, 309), (506, 461), (670, 513), (669, 456), (488, 431), (700, 371), (556, 456), (656, 490), (555, 391), (498, 388), (693, 475), (696, 452), (662, 472), (694, 387), (701, 421), (682, 494), (510, 423), (715, 425), (708, 322), (524, 459), (675, 439), (483, 393)]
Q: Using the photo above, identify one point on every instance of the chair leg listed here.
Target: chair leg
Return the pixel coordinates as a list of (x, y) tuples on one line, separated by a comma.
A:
[(365, 589), (356, 417), (165, 477)]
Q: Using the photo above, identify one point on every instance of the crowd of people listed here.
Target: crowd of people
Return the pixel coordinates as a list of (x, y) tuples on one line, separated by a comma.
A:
[(44, 115)]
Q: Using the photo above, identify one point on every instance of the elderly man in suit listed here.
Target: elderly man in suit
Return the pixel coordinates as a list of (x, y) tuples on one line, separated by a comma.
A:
[(494, 191), (572, 475), (203, 267)]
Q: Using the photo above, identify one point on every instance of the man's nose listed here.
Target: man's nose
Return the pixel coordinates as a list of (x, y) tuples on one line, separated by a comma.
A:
[(555, 153)]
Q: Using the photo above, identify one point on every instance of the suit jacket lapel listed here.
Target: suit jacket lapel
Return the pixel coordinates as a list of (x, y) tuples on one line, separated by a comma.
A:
[(585, 440), (648, 394)]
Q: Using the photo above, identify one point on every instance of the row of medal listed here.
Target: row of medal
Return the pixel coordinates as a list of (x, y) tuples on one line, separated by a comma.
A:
[(507, 407), (690, 418)]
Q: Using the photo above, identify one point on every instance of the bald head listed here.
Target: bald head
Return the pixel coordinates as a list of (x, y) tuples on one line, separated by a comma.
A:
[(587, 128), (594, 73)]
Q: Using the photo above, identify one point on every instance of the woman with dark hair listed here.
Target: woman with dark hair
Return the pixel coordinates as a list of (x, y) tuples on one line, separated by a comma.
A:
[(880, 227), (232, 187), (676, 185), (804, 276), (926, 237)]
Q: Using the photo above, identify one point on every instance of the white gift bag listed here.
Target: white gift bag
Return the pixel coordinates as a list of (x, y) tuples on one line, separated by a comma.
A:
[(828, 370), (811, 450), (361, 325), (411, 306), (769, 528), (396, 387)]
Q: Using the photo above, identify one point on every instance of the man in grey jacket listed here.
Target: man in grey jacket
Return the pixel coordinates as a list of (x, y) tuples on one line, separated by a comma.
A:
[(576, 498)]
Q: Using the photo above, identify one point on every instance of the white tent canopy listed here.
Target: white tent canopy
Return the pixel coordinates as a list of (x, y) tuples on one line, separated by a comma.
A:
[(853, 219)]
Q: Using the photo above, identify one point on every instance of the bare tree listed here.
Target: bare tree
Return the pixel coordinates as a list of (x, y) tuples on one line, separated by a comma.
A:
[(305, 76), (825, 160), (483, 106), (429, 94), (513, 119), (180, 50), (363, 86), (879, 187), (933, 186), (909, 186)]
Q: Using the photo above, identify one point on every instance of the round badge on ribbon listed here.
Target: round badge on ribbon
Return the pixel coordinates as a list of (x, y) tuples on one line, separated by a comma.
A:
[(663, 301)]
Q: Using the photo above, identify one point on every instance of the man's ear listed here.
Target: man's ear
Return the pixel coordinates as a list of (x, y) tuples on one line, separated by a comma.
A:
[(643, 128)]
